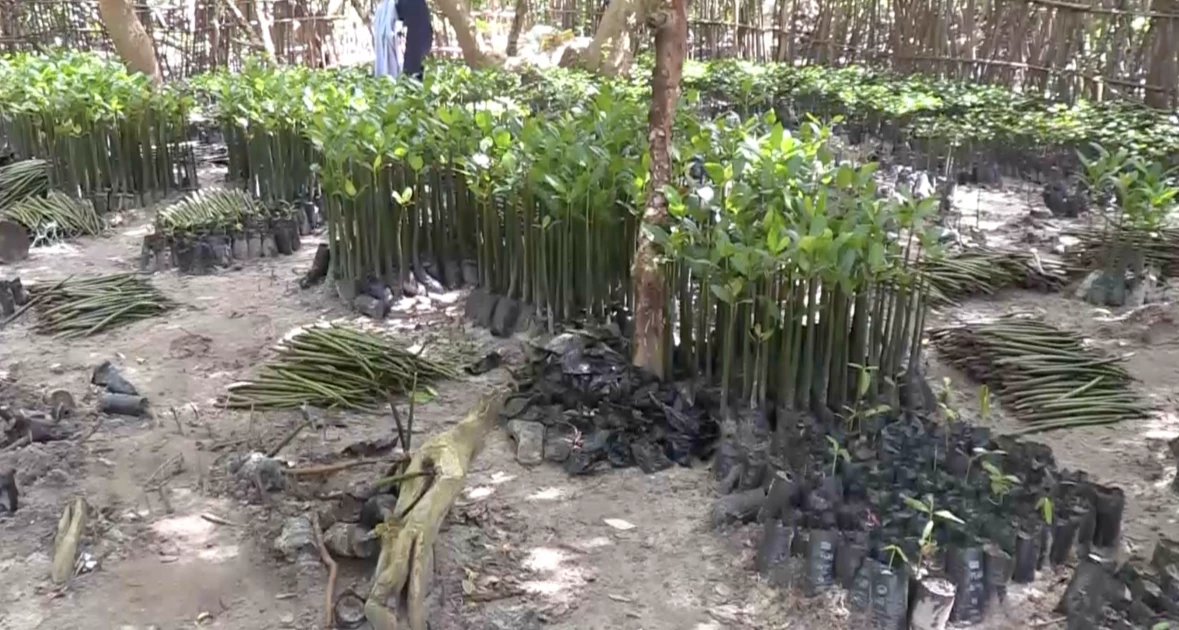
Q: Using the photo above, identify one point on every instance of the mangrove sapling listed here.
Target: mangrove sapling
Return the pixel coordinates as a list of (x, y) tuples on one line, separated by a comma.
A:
[(837, 452), (893, 552), (984, 402), (1000, 483), (928, 544), (1046, 508), (980, 453)]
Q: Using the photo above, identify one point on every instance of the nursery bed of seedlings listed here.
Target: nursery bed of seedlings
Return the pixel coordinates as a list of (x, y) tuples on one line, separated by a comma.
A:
[(922, 523), (103, 130), (214, 228), (791, 281)]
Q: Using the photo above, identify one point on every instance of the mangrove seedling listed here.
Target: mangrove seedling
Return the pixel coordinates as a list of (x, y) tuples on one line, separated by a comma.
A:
[(979, 453), (926, 507), (893, 552), (943, 400), (1001, 483), (984, 402), (1046, 508), (837, 452)]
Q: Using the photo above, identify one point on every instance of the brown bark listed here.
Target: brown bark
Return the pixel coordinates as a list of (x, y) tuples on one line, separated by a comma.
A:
[(1163, 65), (610, 39), (405, 567), (130, 38), (669, 22), (459, 15), (518, 18)]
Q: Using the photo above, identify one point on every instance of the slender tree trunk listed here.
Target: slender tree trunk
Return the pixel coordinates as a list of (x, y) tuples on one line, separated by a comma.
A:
[(669, 22), (130, 38), (1163, 66), (518, 20), (610, 34), (458, 13)]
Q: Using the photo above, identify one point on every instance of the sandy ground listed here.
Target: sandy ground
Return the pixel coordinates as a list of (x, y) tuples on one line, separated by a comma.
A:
[(524, 547)]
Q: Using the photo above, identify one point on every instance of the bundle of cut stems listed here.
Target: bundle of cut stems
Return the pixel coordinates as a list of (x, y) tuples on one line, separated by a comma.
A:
[(1159, 248), (983, 271), (1043, 375), (55, 217), (218, 208), (336, 367), (87, 306), (23, 179)]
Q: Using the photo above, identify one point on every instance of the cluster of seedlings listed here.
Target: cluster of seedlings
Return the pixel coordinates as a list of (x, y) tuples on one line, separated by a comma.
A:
[(216, 228), (923, 523)]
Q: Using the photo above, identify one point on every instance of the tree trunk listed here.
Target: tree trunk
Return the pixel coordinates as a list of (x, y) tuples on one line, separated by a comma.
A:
[(130, 38), (610, 34), (518, 19), (1163, 67), (459, 15), (669, 22)]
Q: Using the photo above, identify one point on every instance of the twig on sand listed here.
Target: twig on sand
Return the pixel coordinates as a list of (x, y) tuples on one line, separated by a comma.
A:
[(176, 419), (388, 481), (328, 469), (397, 421), (93, 429), (179, 457), (294, 432), (213, 518), (329, 614)]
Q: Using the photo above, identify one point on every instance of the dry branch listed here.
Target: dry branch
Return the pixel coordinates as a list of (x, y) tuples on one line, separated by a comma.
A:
[(406, 564)]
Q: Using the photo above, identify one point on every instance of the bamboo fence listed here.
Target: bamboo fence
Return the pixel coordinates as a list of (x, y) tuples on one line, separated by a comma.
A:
[(1067, 49)]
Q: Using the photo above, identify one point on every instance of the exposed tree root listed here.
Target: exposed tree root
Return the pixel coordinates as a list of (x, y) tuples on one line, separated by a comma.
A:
[(405, 567)]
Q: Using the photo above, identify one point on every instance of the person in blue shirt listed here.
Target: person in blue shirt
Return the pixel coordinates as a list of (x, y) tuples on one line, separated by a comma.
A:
[(419, 35)]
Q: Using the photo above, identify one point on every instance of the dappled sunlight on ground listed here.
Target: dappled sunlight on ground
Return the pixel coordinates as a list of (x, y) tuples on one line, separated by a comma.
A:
[(555, 576), (548, 494), (478, 492), (193, 538)]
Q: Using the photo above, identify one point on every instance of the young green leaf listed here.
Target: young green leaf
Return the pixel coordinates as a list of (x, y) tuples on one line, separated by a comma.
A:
[(948, 516)]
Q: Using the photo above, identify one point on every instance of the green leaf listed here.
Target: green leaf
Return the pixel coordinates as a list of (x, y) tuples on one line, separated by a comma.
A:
[(502, 138), (915, 504), (927, 531), (949, 516), (483, 119), (349, 188), (422, 396), (672, 196), (716, 172), (721, 292), (416, 163)]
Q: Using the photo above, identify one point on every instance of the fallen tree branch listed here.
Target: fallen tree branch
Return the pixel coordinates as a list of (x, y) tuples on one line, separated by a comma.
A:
[(405, 567), (330, 598), (70, 528)]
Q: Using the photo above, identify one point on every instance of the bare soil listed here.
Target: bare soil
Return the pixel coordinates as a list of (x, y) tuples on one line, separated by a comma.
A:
[(524, 548)]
